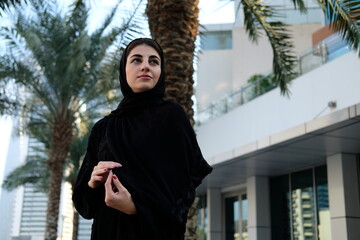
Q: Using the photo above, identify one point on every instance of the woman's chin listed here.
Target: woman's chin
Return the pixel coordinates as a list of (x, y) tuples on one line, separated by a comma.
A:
[(143, 89)]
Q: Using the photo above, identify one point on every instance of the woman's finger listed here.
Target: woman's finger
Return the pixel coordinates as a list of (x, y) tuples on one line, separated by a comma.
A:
[(107, 164), (117, 183), (100, 171), (108, 186), (98, 178)]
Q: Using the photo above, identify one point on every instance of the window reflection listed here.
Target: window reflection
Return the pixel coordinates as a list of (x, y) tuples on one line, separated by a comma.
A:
[(202, 220), (232, 218), (322, 196), (300, 205), (244, 217), (303, 206)]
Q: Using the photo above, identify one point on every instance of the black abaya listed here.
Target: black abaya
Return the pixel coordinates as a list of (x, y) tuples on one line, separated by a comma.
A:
[(161, 167), (161, 164)]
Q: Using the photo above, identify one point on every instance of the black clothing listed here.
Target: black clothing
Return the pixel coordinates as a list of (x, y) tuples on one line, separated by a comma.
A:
[(161, 167)]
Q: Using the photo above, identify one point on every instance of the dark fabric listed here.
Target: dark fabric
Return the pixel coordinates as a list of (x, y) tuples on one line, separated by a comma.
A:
[(135, 102), (161, 167)]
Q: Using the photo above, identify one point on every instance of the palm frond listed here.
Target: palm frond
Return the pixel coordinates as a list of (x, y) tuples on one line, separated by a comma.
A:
[(257, 18), (300, 5), (6, 4), (33, 171), (96, 36), (344, 16)]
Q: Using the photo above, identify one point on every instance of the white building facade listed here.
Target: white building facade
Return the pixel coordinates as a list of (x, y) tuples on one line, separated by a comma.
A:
[(284, 167), (23, 210)]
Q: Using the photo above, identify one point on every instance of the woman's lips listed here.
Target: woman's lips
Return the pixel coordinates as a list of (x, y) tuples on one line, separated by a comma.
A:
[(144, 76)]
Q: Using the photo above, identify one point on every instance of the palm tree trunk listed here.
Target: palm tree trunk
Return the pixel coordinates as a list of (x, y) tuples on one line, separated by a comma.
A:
[(60, 146), (174, 25), (192, 217), (75, 232)]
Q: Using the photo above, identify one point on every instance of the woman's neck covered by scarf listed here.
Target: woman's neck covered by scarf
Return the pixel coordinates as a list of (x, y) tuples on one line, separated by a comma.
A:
[(137, 102)]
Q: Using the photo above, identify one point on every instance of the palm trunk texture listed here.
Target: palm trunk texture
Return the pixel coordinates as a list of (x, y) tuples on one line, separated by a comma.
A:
[(75, 223), (61, 142), (174, 25)]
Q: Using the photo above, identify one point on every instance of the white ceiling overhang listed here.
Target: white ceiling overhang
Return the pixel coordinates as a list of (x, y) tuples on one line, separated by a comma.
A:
[(303, 146)]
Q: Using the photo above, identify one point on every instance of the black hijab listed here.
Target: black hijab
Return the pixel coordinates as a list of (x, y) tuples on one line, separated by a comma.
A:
[(161, 164), (134, 102)]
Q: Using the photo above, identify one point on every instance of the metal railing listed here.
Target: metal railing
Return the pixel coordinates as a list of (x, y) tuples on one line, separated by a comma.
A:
[(326, 51)]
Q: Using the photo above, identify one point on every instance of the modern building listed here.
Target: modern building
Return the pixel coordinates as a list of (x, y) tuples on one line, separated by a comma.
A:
[(23, 210), (285, 167), (11, 202)]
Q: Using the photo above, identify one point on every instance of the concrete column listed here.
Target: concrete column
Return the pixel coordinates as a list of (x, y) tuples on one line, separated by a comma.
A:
[(343, 180), (258, 194), (214, 214)]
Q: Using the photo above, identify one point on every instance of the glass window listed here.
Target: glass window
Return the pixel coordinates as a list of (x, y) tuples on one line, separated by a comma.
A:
[(202, 220), (232, 218), (280, 208), (216, 40), (300, 206), (322, 197), (244, 217)]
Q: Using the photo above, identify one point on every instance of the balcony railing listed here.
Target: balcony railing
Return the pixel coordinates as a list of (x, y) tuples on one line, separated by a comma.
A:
[(326, 51)]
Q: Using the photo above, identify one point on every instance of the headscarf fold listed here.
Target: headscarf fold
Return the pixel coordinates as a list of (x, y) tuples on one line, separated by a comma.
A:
[(135, 102)]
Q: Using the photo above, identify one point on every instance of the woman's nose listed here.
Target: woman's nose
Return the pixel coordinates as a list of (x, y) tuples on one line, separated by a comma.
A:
[(145, 66)]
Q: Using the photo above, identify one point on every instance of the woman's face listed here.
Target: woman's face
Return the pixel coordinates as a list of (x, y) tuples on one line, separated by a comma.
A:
[(142, 68)]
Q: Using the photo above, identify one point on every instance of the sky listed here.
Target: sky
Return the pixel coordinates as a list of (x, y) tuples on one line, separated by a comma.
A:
[(211, 12)]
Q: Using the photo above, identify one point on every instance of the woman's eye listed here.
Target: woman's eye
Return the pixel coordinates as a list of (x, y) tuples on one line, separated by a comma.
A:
[(156, 62), (136, 60)]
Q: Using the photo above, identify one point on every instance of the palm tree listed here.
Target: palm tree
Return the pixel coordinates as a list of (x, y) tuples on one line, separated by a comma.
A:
[(77, 153), (174, 24), (61, 66), (343, 15), (34, 170), (6, 4)]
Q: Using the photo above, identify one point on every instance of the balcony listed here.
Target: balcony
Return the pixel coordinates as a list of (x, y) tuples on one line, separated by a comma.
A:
[(326, 51), (272, 134)]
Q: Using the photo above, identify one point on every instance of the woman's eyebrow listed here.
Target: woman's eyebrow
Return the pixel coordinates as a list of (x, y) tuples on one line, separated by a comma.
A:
[(154, 56), (139, 55), (136, 55)]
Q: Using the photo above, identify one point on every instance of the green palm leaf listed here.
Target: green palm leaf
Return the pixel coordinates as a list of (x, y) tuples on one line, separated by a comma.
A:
[(257, 17), (344, 16), (65, 71)]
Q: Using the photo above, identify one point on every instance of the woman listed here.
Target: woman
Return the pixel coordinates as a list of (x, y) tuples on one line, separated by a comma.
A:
[(143, 162)]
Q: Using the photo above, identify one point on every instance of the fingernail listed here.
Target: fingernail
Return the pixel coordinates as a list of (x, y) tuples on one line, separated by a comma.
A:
[(105, 169), (114, 177)]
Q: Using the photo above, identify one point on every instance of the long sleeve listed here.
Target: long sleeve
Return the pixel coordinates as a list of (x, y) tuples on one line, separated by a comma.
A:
[(86, 199)]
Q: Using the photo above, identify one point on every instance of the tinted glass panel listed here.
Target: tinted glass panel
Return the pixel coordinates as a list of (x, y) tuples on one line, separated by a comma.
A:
[(216, 40), (303, 205), (244, 217), (202, 221), (280, 208), (232, 218), (322, 197)]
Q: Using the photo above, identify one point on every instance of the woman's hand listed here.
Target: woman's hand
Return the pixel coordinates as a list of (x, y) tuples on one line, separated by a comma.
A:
[(101, 172), (117, 196)]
